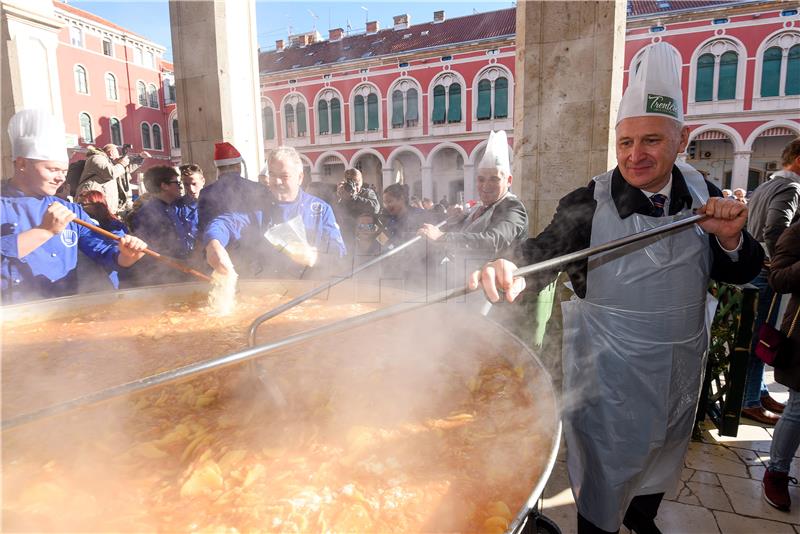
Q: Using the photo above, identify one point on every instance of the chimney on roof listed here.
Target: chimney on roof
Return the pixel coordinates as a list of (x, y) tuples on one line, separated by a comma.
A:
[(373, 26), (401, 22), (335, 34), (438, 16), (280, 45)]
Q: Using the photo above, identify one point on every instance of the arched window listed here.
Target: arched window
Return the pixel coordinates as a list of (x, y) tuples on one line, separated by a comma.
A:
[(302, 128), (398, 117), (157, 143), (484, 100), (771, 72), (108, 47), (146, 136), (793, 71), (728, 63), (372, 112), (288, 115), (358, 112), (323, 117), (704, 86), (268, 123), (152, 96), (111, 86), (116, 131), (501, 98), (412, 107), (176, 138), (86, 128), (336, 116), (81, 82), (454, 106), (439, 105), (141, 92)]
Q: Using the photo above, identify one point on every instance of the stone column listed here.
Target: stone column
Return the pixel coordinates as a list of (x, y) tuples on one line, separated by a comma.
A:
[(570, 60), (216, 75), (29, 38), (427, 182), (741, 168), (388, 177), (469, 183)]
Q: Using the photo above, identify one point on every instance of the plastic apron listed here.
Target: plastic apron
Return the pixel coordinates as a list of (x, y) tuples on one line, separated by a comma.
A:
[(634, 356)]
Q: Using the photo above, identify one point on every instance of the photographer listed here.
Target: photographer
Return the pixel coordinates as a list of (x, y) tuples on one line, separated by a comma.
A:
[(353, 200), (110, 173)]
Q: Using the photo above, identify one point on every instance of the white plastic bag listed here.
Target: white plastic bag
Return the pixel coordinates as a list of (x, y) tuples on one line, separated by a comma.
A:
[(290, 238)]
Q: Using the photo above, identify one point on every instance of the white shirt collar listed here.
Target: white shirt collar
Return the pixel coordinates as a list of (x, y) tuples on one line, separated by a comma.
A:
[(666, 190)]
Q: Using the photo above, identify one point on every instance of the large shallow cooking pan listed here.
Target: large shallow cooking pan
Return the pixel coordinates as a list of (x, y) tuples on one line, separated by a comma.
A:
[(436, 420)]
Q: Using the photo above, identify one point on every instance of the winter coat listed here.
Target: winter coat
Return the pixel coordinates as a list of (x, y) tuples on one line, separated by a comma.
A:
[(784, 277), (112, 179)]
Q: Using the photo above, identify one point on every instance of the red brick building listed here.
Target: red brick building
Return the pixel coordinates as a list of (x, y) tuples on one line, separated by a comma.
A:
[(415, 102), (115, 87)]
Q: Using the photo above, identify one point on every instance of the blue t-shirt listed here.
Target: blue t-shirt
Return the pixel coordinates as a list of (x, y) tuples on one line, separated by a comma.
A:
[(242, 232), (50, 270)]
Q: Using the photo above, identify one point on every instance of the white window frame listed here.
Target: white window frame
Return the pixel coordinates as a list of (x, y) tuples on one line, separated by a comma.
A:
[(121, 133), (138, 55), (492, 73), (76, 31), (447, 78), (115, 98), (160, 136), (328, 94), (91, 127), (784, 39), (152, 89), (365, 89), (103, 42), (717, 46), (403, 85), (85, 77), (149, 129), (293, 99)]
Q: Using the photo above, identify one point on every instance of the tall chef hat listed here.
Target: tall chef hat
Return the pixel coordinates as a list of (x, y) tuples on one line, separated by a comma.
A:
[(496, 154), (655, 86), (37, 134)]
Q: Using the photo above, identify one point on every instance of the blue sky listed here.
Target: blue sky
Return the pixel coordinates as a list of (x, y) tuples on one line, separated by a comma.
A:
[(150, 18)]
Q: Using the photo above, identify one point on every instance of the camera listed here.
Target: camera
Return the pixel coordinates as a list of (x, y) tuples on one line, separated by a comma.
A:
[(350, 186), (134, 158)]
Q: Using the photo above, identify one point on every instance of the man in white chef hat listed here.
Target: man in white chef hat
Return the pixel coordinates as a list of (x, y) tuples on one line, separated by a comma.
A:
[(636, 332), (39, 241), (495, 225)]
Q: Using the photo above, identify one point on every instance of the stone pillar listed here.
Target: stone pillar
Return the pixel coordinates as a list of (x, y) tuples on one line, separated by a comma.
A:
[(741, 168), (469, 183), (216, 75), (569, 66), (427, 182), (315, 177), (29, 38), (388, 176)]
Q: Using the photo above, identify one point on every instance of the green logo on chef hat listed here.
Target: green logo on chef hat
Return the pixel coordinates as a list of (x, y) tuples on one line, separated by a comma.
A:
[(662, 104)]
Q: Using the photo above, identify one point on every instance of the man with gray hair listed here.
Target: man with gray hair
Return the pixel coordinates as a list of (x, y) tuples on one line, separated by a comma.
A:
[(242, 231), (636, 331)]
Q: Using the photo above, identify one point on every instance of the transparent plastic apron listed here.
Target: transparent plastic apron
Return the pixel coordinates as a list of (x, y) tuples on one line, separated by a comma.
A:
[(634, 356)]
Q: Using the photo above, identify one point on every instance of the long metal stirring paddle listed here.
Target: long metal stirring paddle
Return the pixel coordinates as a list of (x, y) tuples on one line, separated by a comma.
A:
[(339, 326), (326, 286)]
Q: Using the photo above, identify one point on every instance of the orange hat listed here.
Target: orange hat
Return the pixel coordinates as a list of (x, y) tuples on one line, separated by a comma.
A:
[(226, 154)]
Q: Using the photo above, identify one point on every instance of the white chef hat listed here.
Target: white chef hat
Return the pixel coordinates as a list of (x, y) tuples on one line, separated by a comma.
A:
[(655, 86), (37, 134), (496, 154)]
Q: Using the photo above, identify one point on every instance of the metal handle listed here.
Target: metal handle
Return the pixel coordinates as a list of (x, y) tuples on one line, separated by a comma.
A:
[(324, 287), (340, 326)]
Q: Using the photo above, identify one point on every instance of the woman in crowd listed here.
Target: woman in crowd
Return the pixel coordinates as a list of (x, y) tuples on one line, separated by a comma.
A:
[(93, 277), (784, 277), (401, 221)]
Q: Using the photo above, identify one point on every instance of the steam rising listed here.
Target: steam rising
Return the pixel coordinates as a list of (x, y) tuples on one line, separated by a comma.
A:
[(222, 297)]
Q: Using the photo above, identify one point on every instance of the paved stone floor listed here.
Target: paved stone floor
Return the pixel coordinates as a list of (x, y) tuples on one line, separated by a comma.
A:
[(720, 489)]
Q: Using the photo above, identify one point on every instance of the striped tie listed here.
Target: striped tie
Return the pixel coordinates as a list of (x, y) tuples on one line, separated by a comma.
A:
[(658, 201)]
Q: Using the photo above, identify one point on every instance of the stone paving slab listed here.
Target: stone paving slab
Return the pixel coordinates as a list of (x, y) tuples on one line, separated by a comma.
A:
[(736, 524), (746, 497)]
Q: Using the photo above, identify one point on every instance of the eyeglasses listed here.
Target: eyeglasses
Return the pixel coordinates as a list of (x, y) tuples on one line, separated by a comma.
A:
[(174, 182), (371, 227)]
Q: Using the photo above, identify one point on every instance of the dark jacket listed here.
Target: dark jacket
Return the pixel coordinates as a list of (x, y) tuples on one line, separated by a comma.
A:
[(349, 207), (773, 207), (230, 193), (571, 230), (784, 277), (506, 229)]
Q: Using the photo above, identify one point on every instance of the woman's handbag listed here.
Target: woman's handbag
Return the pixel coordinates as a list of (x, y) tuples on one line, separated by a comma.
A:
[(772, 342)]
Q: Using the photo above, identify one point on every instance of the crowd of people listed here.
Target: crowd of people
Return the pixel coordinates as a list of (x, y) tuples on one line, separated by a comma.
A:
[(635, 333)]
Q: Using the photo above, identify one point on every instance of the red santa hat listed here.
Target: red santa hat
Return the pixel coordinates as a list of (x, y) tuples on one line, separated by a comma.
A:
[(226, 154)]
